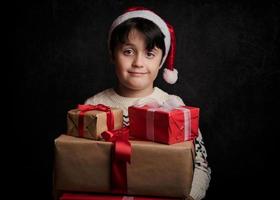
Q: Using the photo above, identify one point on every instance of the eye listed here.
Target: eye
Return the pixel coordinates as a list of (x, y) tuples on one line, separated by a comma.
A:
[(128, 52), (150, 54)]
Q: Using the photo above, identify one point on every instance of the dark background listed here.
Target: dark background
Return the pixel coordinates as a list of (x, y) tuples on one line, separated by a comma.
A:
[(228, 62)]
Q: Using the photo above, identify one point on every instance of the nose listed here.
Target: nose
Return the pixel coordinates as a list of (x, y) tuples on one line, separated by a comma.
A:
[(138, 61)]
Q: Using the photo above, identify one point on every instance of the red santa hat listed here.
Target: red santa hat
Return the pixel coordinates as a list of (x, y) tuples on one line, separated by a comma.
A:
[(170, 74)]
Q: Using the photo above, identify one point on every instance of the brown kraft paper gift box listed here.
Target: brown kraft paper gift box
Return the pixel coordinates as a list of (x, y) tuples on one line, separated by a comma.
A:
[(95, 122), (155, 169)]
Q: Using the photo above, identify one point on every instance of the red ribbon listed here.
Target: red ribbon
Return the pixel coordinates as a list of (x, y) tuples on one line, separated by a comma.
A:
[(87, 107), (121, 154)]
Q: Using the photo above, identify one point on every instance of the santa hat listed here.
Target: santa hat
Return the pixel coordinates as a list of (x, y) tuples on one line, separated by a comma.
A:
[(170, 74)]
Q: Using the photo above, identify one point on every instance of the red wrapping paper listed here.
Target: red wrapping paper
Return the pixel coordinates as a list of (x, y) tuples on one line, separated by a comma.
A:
[(168, 127), (82, 196)]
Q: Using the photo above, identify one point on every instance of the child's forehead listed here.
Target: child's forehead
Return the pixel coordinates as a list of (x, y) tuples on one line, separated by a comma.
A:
[(133, 36)]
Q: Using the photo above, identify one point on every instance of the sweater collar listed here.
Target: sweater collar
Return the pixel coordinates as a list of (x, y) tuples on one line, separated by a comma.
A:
[(131, 100)]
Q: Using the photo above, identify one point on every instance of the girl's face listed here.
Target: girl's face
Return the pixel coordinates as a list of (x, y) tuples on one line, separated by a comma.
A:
[(136, 67)]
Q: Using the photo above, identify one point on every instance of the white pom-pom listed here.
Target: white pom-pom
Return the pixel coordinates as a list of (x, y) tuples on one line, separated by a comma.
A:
[(170, 76)]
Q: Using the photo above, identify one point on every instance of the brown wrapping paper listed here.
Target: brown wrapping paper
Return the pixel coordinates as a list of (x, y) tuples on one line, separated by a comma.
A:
[(95, 122), (155, 169)]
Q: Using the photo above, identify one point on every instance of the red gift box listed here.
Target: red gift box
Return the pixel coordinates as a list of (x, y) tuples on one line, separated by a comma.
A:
[(164, 125), (81, 196)]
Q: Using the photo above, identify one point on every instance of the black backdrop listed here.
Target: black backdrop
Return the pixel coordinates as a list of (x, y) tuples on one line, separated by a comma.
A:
[(227, 57)]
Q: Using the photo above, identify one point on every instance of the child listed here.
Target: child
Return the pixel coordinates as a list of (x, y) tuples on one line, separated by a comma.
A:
[(139, 43)]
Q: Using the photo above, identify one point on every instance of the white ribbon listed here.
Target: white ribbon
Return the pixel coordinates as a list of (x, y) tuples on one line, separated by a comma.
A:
[(187, 124), (150, 123)]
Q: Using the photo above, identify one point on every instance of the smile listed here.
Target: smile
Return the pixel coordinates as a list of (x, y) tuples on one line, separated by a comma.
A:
[(137, 73)]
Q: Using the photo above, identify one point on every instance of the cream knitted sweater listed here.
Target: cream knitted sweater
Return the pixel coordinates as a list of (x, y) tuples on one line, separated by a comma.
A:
[(202, 171)]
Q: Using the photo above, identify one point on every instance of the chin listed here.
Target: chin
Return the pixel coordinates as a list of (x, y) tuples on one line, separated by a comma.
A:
[(136, 83), (136, 88)]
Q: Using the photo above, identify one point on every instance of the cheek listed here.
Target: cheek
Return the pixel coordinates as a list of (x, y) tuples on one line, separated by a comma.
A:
[(118, 70), (121, 62), (155, 66), (118, 65), (155, 73)]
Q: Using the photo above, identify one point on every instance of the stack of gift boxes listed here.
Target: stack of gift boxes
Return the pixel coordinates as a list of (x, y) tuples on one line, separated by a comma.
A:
[(150, 159)]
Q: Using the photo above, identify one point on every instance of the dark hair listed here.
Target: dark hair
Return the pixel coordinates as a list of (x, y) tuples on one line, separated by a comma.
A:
[(153, 35)]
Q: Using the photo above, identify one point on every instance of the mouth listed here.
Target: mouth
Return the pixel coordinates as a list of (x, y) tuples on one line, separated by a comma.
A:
[(132, 73)]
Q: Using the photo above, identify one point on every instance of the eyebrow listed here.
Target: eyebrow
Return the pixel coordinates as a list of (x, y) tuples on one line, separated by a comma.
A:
[(156, 49), (128, 44)]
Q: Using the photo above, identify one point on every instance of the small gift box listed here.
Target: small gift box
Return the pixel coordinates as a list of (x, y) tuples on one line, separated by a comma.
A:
[(164, 123), (85, 196), (89, 121), (83, 165)]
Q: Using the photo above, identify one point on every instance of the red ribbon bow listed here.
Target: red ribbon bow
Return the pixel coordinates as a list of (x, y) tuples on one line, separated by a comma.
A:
[(87, 107), (121, 154)]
